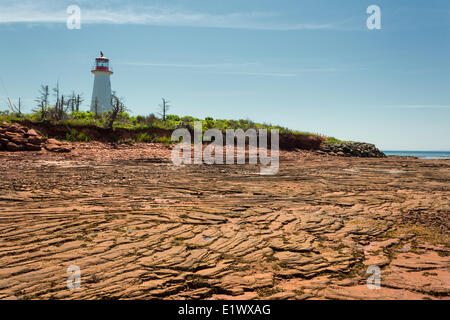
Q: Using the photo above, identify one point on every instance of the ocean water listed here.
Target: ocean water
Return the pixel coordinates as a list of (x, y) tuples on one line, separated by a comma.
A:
[(420, 154)]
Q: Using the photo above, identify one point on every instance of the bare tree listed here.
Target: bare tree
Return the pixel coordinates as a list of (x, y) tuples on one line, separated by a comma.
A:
[(42, 100), (43, 96), (164, 107), (117, 107), (78, 101), (14, 108), (96, 107), (62, 103), (74, 102), (59, 109), (56, 92), (19, 107), (71, 102)]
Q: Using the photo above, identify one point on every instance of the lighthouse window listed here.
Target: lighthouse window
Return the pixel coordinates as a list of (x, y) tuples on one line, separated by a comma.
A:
[(102, 64)]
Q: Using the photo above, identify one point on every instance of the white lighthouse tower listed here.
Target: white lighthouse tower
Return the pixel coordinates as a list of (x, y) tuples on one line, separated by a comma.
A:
[(101, 93)]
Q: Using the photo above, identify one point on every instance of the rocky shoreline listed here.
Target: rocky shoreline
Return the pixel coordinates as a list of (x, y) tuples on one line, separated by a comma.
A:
[(353, 149), (15, 137)]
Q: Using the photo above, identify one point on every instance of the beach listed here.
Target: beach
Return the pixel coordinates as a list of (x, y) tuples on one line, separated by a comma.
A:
[(139, 227)]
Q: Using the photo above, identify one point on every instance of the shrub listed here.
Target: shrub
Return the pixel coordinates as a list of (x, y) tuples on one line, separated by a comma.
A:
[(84, 137), (146, 120), (164, 139), (76, 136), (124, 117), (144, 137), (173, 117), (209, 123), (188, 119), (10, 116), (83, 115)]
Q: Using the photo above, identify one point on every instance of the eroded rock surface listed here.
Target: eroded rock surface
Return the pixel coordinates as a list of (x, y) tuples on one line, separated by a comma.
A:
[(139, 227)]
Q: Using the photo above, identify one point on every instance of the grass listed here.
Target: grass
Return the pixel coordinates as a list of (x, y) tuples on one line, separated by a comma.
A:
[(76, 120), (76, 136), (333, 140), (164, 140), (145, 137)]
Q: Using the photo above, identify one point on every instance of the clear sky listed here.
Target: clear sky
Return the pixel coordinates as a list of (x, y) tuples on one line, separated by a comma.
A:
[(310, 65)]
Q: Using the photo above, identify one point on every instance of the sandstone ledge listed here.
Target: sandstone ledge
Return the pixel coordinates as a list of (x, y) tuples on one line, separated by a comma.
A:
[(141, 228)]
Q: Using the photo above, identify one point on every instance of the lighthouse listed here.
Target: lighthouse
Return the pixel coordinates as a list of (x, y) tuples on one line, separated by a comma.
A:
[(101, 93)]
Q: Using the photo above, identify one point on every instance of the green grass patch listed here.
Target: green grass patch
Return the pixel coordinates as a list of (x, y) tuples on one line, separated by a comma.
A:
[(333, 140), (76, 136), (145, 137), (164, 139), (172, 122)]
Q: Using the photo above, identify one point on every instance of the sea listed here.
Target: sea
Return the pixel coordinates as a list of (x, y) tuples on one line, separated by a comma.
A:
[(420, 154)]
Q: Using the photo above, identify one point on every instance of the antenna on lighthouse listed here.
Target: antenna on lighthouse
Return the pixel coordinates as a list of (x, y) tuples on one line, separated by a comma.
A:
[(101, 54)]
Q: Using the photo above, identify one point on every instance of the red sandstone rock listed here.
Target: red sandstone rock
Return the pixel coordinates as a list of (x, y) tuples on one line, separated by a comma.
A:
[(16, 128), (54, 142), (57, 147), (11, 146), (32, 132), (54, 145), (32, 147), (141, 228), (35, 140), (19, 140), (10, 135), (15, 137)]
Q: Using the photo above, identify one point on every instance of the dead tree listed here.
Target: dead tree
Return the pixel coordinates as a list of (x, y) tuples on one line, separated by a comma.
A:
[(71, 102), (14, 108), (43, 96), (96, 107), (19, 108), (117, 108), (78, 101), (74, 102), (42, 100), (59, 110), (164, 107), (56, 93)]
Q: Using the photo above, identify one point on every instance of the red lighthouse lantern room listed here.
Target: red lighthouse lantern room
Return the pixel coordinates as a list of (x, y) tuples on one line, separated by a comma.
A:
[(102, 65)]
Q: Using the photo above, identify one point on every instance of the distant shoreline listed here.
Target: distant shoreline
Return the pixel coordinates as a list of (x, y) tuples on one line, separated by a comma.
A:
[(424, 155)]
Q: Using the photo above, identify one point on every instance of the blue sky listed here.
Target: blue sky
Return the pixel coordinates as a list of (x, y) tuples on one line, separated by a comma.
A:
[(309, 65)]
